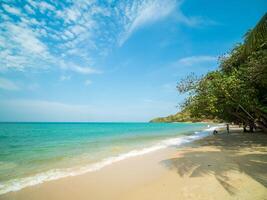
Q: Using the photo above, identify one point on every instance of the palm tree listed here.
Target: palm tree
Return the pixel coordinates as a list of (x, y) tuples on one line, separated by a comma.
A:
[(257, 37)]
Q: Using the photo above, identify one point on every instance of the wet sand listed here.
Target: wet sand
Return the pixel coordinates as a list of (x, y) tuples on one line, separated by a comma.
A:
[(224, 166)]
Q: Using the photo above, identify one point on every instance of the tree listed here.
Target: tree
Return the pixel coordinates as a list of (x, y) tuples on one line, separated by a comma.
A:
[(237, 92)]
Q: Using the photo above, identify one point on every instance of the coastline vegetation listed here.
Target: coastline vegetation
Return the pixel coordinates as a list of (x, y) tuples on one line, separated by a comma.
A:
[(236, 92), (184, 116)]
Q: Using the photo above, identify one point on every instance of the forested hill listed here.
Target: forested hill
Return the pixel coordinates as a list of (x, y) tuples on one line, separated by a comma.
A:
[(236, 92), (183, 117)]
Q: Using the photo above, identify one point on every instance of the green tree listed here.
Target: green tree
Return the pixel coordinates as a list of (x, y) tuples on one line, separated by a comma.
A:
[(237, 92)]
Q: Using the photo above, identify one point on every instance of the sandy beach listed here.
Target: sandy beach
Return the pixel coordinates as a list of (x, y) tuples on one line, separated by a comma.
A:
[(133, 100), (224, 166)]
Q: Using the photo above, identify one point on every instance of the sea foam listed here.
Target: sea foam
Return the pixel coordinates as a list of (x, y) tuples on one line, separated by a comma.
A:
[(18, 184)]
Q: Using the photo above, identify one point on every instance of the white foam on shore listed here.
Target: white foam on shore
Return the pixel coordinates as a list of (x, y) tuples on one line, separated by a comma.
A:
[(18, 184)]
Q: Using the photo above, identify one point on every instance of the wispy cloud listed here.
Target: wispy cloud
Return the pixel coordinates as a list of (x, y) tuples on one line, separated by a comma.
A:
[(46, 6), (22, 48), (49, 34), (140, 13), (193, 60), (79, 69), (145, 12), (26, 39), (8, 84), (11, 10)]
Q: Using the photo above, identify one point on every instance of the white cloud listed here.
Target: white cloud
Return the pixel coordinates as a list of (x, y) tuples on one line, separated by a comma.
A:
[(83, 70), (76, 68), (72, 15), (22, 47), (141, 13), (27, 42), (79, 31), (46, 6), (152, 12), (29, 9), (69, 34), (7, 84), (11, 10), (144, 13), (88, 82), (192, 60), (26, 38)]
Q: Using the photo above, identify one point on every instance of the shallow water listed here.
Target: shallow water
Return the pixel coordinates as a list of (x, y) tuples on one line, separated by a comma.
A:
[(31, 153)]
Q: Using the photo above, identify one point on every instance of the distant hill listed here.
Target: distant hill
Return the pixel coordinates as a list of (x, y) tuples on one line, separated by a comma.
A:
[(182, 116)]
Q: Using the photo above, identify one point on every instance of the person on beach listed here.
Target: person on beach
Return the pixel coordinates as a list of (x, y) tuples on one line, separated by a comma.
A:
[(227, 128)]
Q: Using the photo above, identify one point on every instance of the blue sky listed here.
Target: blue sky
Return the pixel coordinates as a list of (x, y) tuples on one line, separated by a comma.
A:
[(86, 60)]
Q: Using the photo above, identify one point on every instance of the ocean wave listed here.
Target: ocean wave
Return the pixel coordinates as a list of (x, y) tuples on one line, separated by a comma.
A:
[(18, 184)]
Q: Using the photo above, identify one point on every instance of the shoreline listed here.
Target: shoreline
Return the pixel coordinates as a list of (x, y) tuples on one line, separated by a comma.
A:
[(56, 174), (159, 173)]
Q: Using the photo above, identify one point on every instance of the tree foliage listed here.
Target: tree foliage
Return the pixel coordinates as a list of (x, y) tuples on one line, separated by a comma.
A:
[(237, 92)]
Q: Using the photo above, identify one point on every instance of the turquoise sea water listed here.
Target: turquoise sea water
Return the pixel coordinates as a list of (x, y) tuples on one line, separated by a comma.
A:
[(31, 153)]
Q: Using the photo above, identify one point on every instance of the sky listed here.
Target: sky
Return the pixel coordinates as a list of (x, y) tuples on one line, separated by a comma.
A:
[(111, 60)]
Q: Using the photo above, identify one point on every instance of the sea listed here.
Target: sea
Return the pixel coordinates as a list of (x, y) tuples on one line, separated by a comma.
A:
[(33, 153)]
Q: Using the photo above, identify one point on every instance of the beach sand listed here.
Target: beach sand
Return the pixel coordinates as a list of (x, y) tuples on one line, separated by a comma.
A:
[(223, 166)]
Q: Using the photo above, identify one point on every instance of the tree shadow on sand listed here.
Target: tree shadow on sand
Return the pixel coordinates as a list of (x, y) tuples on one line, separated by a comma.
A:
[(226, 158)]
